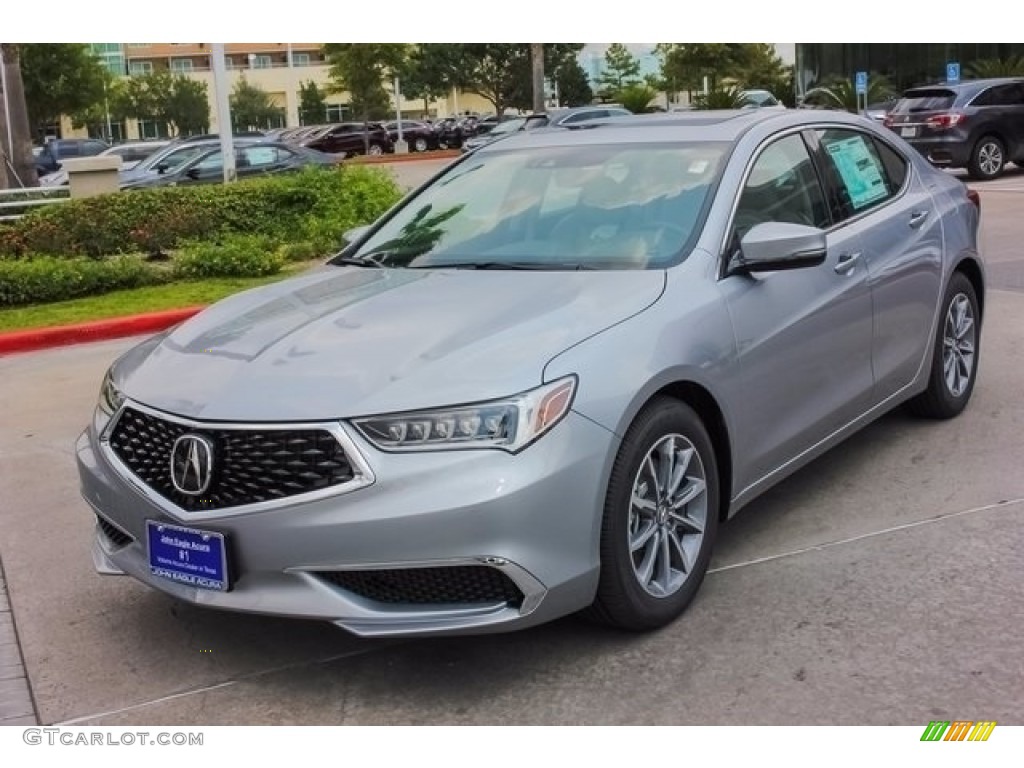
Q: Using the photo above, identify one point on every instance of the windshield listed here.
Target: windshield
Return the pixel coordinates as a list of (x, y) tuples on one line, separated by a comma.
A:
[(582, 207), (508, 126)]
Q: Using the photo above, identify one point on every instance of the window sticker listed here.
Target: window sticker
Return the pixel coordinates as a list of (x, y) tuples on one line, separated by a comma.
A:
[(859, 169)]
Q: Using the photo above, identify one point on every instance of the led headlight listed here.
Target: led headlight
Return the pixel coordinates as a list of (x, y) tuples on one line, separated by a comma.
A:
[(110, 397), (510, 424)]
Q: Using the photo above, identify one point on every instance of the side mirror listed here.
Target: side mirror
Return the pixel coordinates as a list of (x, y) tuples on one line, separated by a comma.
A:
[(777, 245), (162, 168), (192, 173), (355, 234)]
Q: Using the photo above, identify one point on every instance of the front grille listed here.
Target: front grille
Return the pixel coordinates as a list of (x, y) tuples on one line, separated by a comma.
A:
[(420, 586), (117, 537), (250, 465)]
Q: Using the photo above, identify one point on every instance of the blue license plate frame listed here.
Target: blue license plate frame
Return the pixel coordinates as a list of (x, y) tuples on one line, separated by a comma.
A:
[(188, 556)]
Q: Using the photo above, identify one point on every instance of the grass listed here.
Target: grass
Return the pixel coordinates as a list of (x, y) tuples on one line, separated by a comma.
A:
[(134, 301)]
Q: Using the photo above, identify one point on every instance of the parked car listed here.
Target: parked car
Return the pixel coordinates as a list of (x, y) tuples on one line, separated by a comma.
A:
[(55, 151), (172, 158), (880, 110), (974, 124), (540, 382), (570, 116), (503, 130), (257, 159), (348, 139), (131, 153), (419, 136), (756, 98), (451, 132)]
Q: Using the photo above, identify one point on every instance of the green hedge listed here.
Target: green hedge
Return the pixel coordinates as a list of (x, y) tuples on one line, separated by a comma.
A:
[(234, 256), (315, 206), (50, 279)]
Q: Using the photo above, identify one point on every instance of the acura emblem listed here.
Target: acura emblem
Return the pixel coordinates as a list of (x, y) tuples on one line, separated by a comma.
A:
[(191, 464)]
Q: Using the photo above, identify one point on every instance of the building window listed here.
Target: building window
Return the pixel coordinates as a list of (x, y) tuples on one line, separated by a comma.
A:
[(181, 65), (262, 62), (336, 112), (300, 59), (140, 67), (151, 129)]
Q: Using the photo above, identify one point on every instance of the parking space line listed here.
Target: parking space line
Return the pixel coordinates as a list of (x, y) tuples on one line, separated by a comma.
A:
[(377, 646), (869, 535)]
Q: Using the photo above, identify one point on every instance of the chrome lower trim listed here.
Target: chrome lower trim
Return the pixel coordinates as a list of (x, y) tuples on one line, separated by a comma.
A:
[(362, 473)]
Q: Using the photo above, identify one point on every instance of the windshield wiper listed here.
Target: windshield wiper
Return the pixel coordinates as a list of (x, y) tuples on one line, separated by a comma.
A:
[(358, 261)]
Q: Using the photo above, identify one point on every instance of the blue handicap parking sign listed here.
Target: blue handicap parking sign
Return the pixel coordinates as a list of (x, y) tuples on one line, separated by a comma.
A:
[(953, 72), (862, 82)]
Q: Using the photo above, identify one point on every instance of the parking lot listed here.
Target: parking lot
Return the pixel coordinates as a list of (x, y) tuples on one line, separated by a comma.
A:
[(879, 585)]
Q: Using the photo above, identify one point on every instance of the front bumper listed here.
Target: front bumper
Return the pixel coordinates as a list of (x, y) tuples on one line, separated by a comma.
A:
[(534, 516)]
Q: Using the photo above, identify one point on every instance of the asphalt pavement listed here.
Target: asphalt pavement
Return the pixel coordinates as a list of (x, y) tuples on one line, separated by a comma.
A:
[(879, 585)]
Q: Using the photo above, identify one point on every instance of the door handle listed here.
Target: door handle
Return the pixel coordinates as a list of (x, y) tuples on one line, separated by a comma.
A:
[(917, 218), (846, 263)]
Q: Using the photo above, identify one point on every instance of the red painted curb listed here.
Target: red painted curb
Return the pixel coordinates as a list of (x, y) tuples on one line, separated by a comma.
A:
[(440, 154), (98, 330)]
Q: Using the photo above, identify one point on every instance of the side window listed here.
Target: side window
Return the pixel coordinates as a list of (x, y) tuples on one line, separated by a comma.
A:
[(254, 157), (858, 169), (782, 186), (895, 165), (210, 163)]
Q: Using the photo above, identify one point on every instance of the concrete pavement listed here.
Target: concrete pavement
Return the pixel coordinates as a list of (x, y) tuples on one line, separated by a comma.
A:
[(878, 585)]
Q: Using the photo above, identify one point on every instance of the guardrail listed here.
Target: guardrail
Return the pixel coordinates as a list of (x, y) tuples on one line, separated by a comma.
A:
[(15, 203)]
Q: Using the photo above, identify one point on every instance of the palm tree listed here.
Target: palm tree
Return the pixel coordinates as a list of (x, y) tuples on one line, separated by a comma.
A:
[(21, 137), (726, 97), (1011, 67), (842, 94)]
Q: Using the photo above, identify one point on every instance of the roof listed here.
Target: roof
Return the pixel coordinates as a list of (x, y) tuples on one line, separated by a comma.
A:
[(697, 125)]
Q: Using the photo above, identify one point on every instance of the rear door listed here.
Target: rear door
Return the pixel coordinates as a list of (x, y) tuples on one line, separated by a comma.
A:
[(884, 202)]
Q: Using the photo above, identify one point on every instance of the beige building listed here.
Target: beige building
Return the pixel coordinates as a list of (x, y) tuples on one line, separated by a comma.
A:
[(277, 68)]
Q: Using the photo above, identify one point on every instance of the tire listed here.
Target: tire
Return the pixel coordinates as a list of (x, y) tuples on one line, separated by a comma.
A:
[(955, 354), (646, 580), (988, 159), (420, 145), (375, 150)]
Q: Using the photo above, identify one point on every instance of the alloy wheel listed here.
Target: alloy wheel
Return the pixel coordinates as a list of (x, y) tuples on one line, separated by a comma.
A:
[(958, 345), (667, 515), (990, 158), (376, 150)]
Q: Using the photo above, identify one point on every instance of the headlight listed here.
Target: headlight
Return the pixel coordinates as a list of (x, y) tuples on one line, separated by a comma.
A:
[(110, 398), (510, 424)]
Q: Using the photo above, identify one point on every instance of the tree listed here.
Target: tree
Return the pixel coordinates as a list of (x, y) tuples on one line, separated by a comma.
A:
[(685, 65), (1011, 67), (361, 69), (722, 97), (60, 79), (175, 101), (312, 104), (429, 72), (842, 94), (185, 106), (621, 69), (252, 107), (636, 98), (20, 154), (572, 85), (758, 66)]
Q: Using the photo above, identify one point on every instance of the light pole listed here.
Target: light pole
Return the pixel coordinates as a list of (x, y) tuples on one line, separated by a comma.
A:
[(227, 139), (7, 108), (401, 146)]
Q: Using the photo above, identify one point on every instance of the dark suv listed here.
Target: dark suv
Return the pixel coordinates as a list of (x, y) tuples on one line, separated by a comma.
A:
[(57, 150), (347, 139), (974, 124)]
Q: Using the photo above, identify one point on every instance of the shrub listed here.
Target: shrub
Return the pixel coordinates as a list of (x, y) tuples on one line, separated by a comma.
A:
[(301, 251), (49, 279), (316, 205), (233, 256)]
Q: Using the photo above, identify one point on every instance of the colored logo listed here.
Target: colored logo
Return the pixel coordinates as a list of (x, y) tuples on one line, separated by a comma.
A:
[(958, 730)]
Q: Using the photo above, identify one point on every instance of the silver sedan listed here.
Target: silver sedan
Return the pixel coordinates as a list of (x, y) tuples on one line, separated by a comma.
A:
[(540, 383)]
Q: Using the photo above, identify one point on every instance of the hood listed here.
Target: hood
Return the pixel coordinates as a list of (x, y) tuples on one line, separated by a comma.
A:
[(351, 341)]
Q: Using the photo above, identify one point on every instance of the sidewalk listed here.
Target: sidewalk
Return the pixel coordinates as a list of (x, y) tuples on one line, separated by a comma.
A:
[(16, 707)]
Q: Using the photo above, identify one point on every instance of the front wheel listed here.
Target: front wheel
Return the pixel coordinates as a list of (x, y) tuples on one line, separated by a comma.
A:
[(955, 355), (660, 519), (420, 145), (376, 150)]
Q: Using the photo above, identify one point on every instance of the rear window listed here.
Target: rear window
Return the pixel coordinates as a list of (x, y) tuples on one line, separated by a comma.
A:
[(921, 100)]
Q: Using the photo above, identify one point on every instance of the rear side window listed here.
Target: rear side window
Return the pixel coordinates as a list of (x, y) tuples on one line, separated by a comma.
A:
[(1009, 95), (925, 100), (858, 166)]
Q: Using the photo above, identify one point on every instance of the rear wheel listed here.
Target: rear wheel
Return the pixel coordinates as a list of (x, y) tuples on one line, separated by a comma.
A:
[(660, 519), (955, 356), (988, 159), (420, 145), (376, 150)]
